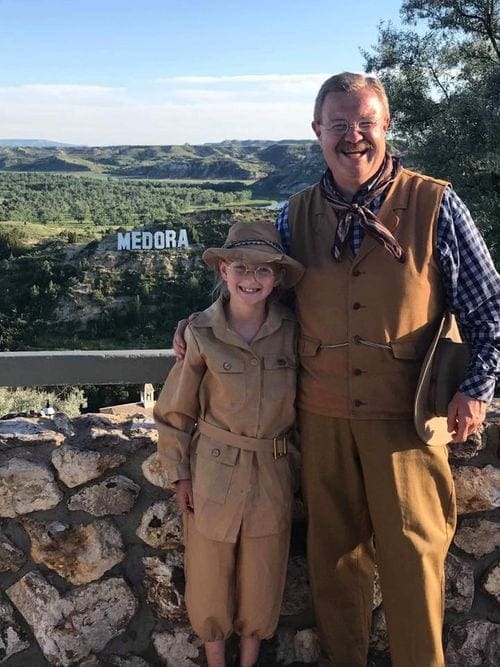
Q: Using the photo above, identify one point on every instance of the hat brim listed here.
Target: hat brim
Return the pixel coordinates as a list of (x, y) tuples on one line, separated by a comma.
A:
[(257, 255), (432, 428)]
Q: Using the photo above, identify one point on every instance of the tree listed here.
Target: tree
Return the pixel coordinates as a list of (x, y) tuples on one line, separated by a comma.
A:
[(442, 75)]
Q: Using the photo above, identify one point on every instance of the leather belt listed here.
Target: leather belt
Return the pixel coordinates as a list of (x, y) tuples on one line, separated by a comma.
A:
[(277, 445)]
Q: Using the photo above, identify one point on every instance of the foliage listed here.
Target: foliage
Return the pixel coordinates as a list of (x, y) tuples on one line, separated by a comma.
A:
[(44, 198), (98, 298), (442, 75), (217, 161), (64, 284), (11, 241), (100, 396), (15, 401), (274, 168)]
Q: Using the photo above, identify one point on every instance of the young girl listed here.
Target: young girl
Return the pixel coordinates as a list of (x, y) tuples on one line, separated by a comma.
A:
[(224, 419)]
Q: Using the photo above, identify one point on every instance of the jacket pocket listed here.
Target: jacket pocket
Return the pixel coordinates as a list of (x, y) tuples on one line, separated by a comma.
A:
[(405, 350), (280, 373), (214, 469), (230, 377), (308, 347)]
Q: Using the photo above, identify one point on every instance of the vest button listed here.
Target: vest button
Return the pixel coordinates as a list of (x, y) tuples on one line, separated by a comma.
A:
[(358, 403), (356, 273), (281, 361), (215, 452), (358, 371), (226, 366), (357, 339), (356, 305), (254, 362)]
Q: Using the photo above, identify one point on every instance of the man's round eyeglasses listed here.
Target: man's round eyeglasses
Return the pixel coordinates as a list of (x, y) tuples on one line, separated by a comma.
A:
[(262, 272), (342, 126)]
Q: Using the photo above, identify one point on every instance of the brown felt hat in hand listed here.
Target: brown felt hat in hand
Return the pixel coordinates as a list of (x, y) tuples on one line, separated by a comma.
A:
[(443, 370)]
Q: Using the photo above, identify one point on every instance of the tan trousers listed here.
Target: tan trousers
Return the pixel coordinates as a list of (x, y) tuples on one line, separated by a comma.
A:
[(375, 480), (234, 587)]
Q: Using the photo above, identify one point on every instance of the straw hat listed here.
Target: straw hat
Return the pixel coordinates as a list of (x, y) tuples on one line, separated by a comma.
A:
[(443, 369), (258, 243)]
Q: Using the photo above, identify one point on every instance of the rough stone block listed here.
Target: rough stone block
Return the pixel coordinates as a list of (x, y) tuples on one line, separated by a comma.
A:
[(114, 495), (379, 638), (13, 638), (69, 628), (478, 537), (177, 647), (79, 553), (161, 525), (492, 581), (77, 466), (459, 592), (11, 558), (161, 592), (23, 431), (471, 447), (155, 473), (26, 487), (474, 643), (297, 646), (477, 489)]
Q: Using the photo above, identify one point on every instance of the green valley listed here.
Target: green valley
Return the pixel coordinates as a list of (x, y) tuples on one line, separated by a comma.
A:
[(66, 284)]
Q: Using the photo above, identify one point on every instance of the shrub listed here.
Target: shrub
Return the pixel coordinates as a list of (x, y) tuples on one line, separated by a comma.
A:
[(24, 399)]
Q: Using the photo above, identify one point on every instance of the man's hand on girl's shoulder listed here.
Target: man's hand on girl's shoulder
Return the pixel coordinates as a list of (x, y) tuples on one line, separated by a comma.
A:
[(178, 343)]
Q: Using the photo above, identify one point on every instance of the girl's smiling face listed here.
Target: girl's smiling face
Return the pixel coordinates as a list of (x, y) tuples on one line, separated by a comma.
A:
[(247, 285)]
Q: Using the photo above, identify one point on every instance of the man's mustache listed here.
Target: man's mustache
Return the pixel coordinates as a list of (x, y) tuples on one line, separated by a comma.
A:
[(347, 146)]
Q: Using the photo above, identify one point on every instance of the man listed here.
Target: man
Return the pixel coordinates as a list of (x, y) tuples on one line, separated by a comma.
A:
[(386, 251)]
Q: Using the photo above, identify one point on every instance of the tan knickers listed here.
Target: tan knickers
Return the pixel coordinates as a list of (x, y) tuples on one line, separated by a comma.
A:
[(234, 587)]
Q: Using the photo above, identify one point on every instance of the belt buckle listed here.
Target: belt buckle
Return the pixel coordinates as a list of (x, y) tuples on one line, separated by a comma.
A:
[(277, 451)]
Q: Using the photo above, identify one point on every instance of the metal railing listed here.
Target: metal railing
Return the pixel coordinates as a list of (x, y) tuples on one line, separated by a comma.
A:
[(48, 368)]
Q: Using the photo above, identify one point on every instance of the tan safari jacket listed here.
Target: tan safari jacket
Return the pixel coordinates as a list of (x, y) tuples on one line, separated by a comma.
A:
[(248, 391)]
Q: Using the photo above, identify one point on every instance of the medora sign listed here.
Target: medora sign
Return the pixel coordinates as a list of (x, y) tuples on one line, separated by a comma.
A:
[(161, 240)]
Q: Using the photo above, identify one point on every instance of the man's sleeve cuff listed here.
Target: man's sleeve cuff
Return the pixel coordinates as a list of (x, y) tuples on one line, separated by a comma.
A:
[(482, 390)]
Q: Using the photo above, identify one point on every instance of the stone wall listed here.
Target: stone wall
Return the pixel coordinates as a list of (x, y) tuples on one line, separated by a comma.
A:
[(91, 554)]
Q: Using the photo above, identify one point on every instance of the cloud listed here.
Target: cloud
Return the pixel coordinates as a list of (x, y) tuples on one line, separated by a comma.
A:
[(183, 109), (69, 93), (297, 79), (249, 86)]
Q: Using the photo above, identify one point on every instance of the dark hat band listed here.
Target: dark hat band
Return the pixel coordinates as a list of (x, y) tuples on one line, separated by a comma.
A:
[(275, 246)]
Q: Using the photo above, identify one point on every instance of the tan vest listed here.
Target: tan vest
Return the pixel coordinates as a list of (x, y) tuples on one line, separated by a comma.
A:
[(367, 321)]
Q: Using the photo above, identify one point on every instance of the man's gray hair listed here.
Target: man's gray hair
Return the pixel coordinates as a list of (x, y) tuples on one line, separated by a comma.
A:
[(347, 82)]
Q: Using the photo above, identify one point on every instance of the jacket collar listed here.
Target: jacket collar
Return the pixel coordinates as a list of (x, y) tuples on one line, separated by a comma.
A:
[(214, 317)]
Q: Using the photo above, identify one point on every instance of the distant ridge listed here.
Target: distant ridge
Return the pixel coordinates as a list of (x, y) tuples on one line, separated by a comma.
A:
[(277, 168), (35, 143)]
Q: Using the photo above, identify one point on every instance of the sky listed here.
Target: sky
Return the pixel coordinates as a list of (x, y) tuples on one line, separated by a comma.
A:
[(107, 72)]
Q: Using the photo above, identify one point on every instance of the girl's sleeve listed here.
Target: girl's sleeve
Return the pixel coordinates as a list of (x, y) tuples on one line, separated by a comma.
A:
[(177, 410)]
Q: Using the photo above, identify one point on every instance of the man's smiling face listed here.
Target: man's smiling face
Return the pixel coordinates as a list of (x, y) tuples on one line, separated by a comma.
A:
[(355, 156)]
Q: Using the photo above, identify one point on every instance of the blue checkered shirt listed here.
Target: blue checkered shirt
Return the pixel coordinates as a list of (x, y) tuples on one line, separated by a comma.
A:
[(472, 286)]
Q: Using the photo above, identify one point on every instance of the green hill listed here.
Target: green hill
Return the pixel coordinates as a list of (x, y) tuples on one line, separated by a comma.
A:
[(280, 168), (66, 284)]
